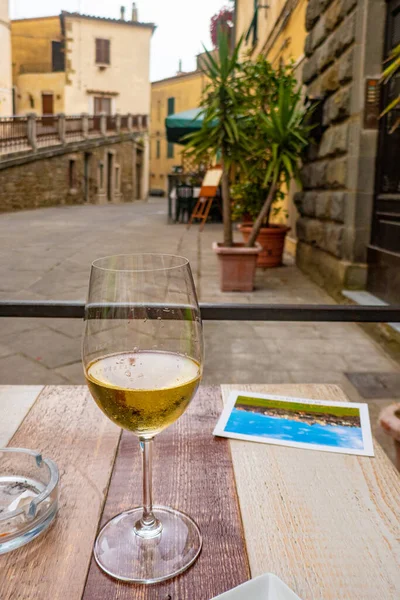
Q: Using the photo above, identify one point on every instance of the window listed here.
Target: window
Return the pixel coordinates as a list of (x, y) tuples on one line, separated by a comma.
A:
[(72, 174), (57, 56), (170, 150), (102, 51), (171, 106), (158, 110), (102, 105), (158, 149)]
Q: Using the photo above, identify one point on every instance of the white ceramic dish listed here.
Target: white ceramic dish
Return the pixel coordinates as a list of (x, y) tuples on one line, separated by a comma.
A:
[(264, 587)]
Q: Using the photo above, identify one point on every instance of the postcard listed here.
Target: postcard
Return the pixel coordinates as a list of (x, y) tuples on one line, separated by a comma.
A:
[(297, 422)]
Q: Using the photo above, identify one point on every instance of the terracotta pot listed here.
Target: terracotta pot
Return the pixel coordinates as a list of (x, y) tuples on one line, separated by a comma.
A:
[(272, 240), (237, 266)]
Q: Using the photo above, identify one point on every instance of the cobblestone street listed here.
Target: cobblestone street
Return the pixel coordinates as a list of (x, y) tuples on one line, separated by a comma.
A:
[(46, 254)]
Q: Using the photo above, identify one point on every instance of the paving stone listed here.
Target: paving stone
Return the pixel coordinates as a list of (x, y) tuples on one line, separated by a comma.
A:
[(376, 385), (47, 347), (19, 370), (72, 373)]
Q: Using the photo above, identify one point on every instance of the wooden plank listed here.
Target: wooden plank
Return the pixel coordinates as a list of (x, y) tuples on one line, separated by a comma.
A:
[(65, 425), (192, 472), (15, 402), (327, 524)]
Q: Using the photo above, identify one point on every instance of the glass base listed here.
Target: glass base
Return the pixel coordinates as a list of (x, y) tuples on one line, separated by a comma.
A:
[(125, 555)]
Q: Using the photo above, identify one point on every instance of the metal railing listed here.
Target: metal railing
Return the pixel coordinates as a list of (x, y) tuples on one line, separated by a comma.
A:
[(111, 123), (212, 312), (13, 134), (29, 132), (47, 131), (74, 128)]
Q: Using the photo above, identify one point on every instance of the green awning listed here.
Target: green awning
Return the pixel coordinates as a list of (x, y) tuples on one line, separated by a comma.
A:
[(180, 124)]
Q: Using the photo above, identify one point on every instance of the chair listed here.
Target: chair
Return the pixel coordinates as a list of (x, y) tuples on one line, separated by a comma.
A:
[(184, 203)]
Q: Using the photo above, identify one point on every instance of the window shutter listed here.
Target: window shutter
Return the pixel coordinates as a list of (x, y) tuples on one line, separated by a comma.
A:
[(171, 106), (102, 51), (98, 50)]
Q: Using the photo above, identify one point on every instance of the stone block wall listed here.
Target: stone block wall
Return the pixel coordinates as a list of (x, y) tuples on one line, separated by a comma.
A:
[(40, 181), (343, 47)]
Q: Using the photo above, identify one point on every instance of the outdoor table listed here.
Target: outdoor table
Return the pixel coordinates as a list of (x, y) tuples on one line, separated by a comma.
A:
[(327, 524)]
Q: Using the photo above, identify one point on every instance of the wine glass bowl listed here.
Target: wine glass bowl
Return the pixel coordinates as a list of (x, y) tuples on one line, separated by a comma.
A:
[(143, 359)]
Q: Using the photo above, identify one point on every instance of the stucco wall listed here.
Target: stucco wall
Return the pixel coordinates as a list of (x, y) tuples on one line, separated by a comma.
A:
[(186, 89), (30, 88), (5, 61), (126, 79), (31, 43)]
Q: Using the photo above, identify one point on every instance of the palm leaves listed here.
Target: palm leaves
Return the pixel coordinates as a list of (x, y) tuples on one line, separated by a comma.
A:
[(222, 110), (387, 74), (285, 131)]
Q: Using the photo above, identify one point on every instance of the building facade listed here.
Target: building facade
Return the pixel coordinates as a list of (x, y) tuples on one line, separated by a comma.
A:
[(169, 96), (5, 61), (76, 64), (277, 30)]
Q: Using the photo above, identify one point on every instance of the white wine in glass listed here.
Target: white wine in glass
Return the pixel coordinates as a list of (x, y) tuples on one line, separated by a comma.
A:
[(143, 357)]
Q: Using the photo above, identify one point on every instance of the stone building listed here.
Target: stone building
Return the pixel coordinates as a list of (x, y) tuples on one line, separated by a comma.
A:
[(72, 161), (168, 96), (349, 229), (5, 61)]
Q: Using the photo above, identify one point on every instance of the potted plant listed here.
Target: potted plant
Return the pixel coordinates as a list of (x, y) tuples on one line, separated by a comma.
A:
[(263, 83), (286, 132), (224, 134), (248, 199), (254, 119)]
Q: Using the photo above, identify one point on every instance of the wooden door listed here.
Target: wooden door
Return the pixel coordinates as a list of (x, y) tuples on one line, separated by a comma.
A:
[(384, 251), (47, 104)]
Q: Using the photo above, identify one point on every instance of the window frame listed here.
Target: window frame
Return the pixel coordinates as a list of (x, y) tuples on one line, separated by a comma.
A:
[(102, 51)]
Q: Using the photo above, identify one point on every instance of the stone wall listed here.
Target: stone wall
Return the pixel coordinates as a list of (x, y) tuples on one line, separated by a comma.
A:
[(46, 180), (343, 47)]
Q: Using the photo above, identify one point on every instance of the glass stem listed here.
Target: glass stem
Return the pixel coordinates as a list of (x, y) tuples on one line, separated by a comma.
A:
[(148, 526)]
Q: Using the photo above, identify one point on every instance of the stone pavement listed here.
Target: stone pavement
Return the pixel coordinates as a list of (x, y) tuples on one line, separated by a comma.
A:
[(46, 254)]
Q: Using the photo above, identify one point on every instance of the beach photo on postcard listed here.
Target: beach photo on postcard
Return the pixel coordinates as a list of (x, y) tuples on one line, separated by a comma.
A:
[(298, 422)]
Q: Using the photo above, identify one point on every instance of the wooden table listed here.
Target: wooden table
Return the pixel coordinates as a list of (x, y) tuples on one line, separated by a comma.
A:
[(327, 524)]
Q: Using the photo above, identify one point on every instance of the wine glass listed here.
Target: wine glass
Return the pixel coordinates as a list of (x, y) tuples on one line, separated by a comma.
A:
[(143, 361)]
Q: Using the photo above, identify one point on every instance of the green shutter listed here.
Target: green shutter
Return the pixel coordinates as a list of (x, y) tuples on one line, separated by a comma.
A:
[(158, 149), (171, 106), (170, 150)]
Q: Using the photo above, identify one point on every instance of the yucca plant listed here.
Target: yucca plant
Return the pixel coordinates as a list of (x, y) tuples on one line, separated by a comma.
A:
[(285, 134), (392, 69), (222, 107)]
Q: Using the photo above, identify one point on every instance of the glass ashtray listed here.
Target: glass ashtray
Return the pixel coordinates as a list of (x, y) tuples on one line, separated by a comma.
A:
[(28, 496)]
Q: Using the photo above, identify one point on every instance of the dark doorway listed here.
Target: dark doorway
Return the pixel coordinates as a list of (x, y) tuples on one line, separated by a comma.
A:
[(86, 176), (384, 250), (138, 174), (110, 183)]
